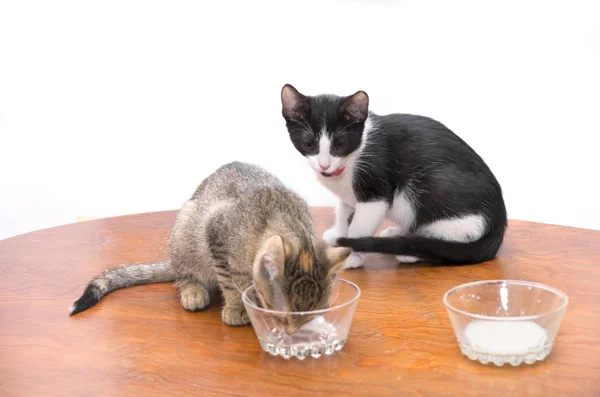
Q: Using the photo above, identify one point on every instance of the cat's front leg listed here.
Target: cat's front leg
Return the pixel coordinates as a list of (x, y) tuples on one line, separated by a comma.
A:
[(343, 212), (232, 282), (365, 222)]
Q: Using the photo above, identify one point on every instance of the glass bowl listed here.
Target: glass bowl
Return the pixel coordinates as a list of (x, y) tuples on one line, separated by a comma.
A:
[(505, 321), (324, 331)]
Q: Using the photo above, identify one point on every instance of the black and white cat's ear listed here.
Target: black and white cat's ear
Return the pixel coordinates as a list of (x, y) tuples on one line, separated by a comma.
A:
[(336, 256), (355, 109), (294, 104), (270, 260)]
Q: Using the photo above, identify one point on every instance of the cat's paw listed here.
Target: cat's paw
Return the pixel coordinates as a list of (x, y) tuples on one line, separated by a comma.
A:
[(407, 259), (355, 260), (391, 232), (235, 316), (194, 297), (330, 236)]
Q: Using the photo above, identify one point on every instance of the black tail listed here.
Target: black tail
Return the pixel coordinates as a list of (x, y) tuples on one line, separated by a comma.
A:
[(121, 277), (429, 249)]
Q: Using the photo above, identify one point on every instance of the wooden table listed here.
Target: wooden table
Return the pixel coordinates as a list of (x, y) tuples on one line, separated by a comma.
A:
[(140, 342)]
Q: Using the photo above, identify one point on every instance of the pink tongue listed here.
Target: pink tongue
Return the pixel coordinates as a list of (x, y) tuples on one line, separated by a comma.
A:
[(338, 172)]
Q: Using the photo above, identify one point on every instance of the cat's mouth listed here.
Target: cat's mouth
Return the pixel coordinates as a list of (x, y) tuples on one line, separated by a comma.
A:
[(334, 173)]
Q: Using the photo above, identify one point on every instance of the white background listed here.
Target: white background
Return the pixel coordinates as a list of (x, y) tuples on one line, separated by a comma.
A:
[(118, 107)]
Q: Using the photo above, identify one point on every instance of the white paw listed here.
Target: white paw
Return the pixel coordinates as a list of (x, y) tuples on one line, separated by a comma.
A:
[(391, 231), (354, 260), (407, 259), (330, 236)]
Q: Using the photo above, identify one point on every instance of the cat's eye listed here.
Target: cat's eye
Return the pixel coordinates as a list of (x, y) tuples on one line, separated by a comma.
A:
[(339, 145), (309, 144)]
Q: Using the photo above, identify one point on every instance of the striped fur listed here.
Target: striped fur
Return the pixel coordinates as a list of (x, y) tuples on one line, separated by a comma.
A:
[(241, 227), (121, 277)]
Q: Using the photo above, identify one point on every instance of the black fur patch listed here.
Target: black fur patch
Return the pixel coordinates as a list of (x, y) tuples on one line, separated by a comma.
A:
[(416, 155), (87, 300), (217, 246)]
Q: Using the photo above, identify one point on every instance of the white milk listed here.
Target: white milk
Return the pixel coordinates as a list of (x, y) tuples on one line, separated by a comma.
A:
[(505, 337)]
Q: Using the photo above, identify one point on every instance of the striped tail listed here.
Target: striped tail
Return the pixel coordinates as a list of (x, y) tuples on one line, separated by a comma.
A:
[(121, 277)]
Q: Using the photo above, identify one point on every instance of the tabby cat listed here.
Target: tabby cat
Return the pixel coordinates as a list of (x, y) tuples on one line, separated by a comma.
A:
[(242, 226)]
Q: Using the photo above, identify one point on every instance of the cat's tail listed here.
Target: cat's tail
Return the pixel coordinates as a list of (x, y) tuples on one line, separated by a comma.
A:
[(430, 249), (121, 277)]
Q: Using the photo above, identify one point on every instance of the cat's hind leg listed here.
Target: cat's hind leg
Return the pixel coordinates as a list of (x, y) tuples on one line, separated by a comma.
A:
[(194, 297), (402, 213), (191, 280), (407, 259), (391, 232)]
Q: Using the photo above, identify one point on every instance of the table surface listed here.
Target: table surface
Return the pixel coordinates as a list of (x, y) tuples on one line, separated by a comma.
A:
[(140, 341)]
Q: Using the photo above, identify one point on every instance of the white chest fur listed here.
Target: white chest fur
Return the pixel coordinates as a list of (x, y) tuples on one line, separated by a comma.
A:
[(341, 186)]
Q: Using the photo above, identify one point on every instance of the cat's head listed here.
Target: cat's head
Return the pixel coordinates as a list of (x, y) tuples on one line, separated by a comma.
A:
[(295, 277), (326, 129)]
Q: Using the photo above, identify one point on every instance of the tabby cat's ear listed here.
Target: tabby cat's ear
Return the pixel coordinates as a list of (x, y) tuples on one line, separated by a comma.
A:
[(294, 104), (270, 259), (356, 108), (336, 257)]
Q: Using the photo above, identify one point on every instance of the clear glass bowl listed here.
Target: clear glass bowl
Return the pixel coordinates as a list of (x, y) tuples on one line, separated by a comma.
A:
[(325, 331), (505, 321)]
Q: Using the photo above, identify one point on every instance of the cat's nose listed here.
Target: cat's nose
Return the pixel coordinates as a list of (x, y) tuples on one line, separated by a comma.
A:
[(324, 166)]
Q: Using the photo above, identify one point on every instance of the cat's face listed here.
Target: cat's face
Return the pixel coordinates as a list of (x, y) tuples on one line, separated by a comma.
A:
[(296, 278), (325, 129)]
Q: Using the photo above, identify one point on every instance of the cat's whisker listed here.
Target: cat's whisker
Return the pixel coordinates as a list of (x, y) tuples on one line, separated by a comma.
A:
[(303, 131), (236, 287), (338, 131), (307, 125)]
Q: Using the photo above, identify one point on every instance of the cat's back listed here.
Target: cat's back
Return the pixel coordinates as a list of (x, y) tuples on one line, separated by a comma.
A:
[(234, 194), (239, 199), (248, 189), (406, 126), (234, 180), (421, 139)]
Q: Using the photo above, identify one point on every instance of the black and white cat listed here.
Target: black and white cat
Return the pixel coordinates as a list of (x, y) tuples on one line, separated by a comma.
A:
[(445, 201)]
